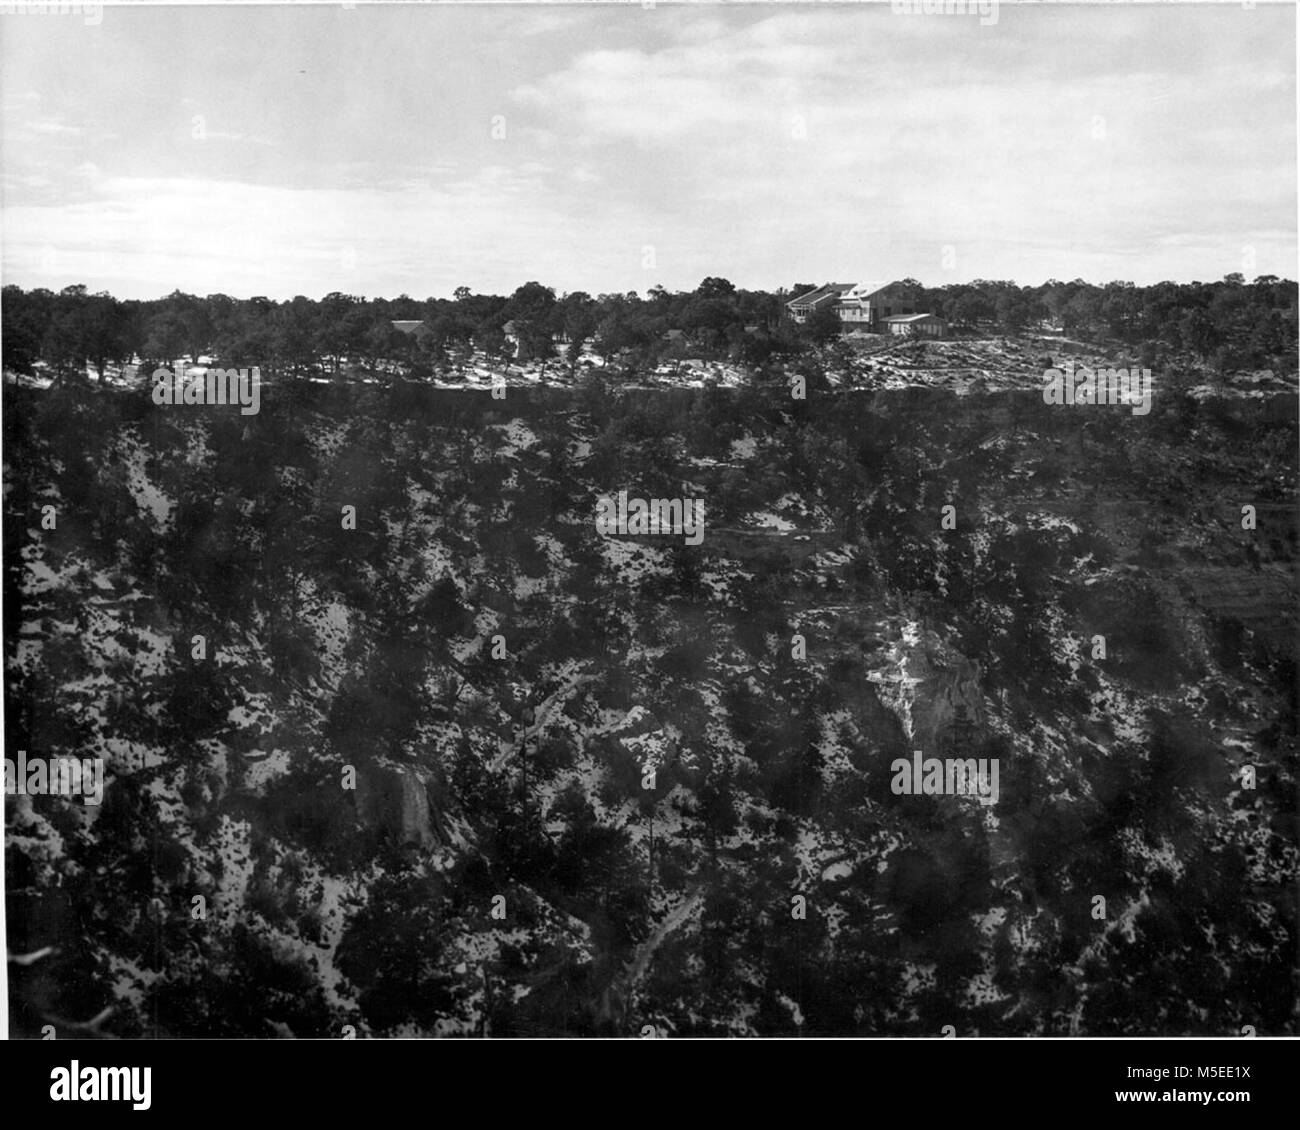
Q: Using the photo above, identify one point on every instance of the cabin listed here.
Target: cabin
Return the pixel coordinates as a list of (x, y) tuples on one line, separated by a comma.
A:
[(918, 325), (411, 327)]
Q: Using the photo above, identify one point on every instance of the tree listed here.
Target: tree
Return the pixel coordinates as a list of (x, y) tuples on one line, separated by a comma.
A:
[(296, 333), (715, 288), (578, 315), (823, 325), (26, 317), (492, 341), (164, 337), (532, 308), (105, 331), (531, 301), (383, 341), (65, 343), (332, 328)]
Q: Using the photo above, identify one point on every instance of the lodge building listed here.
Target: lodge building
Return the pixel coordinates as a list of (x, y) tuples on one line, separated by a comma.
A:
[(873, 307)]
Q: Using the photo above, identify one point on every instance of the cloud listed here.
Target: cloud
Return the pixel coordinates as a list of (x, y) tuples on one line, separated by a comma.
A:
[(147, 235), (222, 135), (45, 128), (863, 127), (759, 143)]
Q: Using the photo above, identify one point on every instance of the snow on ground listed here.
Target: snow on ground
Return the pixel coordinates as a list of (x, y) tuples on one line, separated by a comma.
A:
[(39, 577), (328, 439), (234, 866), (124, 757), (557, 559), (328, 619), (128, 979), (829, 559), (719, 580), (981, 990), (255, 711), (331, 910), (517, 436), (147, 497), (836, 764), (1041, 521), (1120, 709), (1158, 859), (260, 770), (765, 519), (526, 587), (817, 855), (487, 623), (107, 638), (633, 561), (425, 509), (796, 1014)]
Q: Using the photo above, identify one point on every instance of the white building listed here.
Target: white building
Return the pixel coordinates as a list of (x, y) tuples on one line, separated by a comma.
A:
[(867, 305)]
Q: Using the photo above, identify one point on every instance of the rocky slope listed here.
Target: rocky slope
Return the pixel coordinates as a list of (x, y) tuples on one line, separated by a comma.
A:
[(466, 767)]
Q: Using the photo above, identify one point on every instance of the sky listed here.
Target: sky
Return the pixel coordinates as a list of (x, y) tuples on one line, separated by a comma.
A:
[(381, 150)]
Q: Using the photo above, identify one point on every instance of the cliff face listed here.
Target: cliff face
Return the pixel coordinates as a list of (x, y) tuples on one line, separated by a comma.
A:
[(394, 801), (609, 782), (934, 691)]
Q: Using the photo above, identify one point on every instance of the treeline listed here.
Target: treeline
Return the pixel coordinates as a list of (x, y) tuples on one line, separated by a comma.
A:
[(73, 329), (1228, 325)]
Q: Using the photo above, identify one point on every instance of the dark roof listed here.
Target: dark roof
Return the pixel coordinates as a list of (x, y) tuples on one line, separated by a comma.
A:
[(821, 292)]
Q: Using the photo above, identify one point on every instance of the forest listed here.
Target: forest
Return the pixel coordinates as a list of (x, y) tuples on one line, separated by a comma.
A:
[(1227, 326), (496, 678)]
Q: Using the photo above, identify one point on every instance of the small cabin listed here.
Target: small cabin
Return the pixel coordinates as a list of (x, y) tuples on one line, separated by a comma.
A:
[(919, 325)]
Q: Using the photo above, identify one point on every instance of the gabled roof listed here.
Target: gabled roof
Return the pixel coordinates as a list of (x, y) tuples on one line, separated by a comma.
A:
[(407, 326), (863, 291), (821, 292)]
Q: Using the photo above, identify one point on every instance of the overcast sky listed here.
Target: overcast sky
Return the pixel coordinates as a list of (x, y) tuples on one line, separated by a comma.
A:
[(302, 150)]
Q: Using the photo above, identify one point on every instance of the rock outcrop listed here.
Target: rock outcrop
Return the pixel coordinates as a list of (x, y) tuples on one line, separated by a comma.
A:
[(395, 799), (934, 691)]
